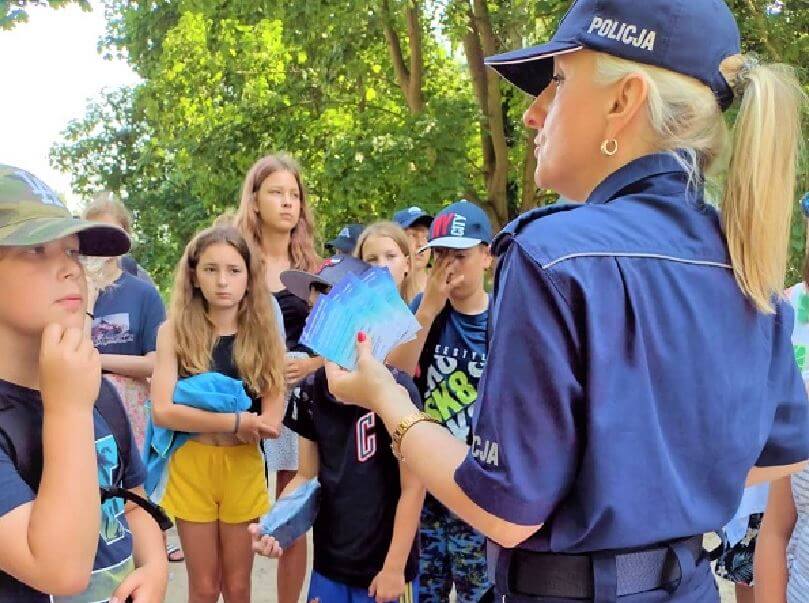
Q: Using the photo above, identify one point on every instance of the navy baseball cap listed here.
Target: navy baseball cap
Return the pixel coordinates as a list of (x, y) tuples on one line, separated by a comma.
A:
[(461, 225), (331, 272), (412, 216), (691, 37), (347, 239)]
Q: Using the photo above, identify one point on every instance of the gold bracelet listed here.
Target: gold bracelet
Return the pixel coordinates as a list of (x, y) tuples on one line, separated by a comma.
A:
[(403, 427)]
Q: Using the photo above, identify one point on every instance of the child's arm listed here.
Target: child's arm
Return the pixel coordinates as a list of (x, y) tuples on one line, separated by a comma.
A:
[(184, 418), (148, 582), (138, 367), (308, 468), (389, 582), (50, 542), (770, 563), (272, 410), (308, 465)]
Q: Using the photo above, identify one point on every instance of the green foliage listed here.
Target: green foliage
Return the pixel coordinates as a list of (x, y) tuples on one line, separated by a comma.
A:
[(14, 12)]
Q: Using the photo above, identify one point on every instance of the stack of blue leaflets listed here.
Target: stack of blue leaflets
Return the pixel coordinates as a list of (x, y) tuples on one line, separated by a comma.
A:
[(291, 516), (370, 303)]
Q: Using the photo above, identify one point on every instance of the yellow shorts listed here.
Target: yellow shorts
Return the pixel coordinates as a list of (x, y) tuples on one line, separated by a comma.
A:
[(209, 483)]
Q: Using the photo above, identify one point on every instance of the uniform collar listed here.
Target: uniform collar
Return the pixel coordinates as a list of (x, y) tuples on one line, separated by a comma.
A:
[(634, 171)]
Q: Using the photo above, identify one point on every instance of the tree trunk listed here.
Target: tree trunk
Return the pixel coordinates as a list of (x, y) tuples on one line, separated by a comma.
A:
[(479, 42), (410, 79)]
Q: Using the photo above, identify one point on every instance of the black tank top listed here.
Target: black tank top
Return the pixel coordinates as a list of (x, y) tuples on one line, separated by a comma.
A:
[(294, 311), (224, 363)]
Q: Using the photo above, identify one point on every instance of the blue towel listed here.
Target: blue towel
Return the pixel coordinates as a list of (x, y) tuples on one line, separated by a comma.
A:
[(292, 515), (213, 392)]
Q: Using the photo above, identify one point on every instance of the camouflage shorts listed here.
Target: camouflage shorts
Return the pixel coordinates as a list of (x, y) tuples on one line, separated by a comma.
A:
[(452, 553)]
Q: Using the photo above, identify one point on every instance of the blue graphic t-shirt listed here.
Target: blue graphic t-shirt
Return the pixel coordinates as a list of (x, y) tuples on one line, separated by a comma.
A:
[(113, 561), (127, 316), (449, 373)]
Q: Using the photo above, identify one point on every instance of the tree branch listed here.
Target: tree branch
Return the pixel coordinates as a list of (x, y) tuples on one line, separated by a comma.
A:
[(414, 33), (395, 49)]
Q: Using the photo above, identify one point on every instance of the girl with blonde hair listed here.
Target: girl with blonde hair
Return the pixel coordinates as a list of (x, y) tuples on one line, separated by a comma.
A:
[(385, 244), (640, 370), (220, 321), (274, 215)]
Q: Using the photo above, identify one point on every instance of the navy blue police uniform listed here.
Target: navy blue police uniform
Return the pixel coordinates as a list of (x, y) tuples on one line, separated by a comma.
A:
[(648, 384), (631, 385)]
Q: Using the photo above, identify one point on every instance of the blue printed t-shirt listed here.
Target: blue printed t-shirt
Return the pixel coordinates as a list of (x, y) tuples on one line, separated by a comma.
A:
[(113, 561), (449, 373), (127, 316)]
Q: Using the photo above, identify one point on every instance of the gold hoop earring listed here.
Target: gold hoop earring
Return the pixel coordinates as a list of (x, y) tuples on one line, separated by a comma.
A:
[(609, 147)]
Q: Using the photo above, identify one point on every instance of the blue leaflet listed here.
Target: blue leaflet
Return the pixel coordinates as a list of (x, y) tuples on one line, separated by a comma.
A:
[(370, 303), (291, 516)]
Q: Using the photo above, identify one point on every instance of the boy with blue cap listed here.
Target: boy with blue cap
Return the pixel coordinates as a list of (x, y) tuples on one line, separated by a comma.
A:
[(448, 357), (63, 431), (416, 224), (640, 370)]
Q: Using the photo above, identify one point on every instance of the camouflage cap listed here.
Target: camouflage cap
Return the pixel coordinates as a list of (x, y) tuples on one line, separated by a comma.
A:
[(32, 214)]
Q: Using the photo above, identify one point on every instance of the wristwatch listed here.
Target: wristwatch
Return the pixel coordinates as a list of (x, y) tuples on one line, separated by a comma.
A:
[(403, 427)]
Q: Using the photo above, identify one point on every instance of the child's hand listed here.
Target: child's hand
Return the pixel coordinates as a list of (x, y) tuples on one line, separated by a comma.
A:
[(263, 545), (69, 368), (144, 585), (297, 369), (253, 428), (388, 585), (439, 284)]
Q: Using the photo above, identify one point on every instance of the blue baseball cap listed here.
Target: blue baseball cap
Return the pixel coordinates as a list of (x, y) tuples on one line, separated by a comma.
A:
[(460, 226), (412, 216), (347, 239), (691, 37), (331, 272)]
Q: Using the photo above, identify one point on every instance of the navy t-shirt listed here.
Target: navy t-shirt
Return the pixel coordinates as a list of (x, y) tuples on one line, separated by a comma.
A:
[(113, 561), (359, 479), (449, 373), (127, 316)]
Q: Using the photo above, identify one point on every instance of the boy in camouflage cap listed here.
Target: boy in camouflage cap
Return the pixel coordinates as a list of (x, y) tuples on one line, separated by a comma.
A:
[(57, 537)]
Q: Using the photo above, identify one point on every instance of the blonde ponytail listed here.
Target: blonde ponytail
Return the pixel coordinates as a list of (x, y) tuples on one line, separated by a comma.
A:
[(759, 185), (759, 191)]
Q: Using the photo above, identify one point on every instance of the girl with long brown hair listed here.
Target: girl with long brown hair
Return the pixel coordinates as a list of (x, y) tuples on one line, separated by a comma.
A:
[(220, 321), (275, 217)]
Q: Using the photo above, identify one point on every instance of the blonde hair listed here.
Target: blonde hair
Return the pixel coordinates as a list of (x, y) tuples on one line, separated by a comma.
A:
[(258, 350), (108, 204), (759, 183), (396, 233), (302, 254)]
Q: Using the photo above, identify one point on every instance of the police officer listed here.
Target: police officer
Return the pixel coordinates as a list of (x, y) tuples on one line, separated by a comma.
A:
[(640, 370)]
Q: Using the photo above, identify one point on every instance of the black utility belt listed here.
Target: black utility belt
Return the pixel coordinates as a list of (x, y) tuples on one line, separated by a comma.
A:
[(581, 576)]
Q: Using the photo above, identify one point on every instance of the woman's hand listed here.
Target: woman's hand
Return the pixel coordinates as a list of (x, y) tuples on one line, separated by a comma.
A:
[(368, 386)]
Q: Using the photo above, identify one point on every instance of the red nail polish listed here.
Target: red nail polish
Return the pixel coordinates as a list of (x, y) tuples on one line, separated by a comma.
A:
[(361, 336)]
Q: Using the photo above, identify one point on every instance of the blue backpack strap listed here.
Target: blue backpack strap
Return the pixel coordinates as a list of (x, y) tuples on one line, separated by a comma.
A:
[(111, 409), (21, 438)]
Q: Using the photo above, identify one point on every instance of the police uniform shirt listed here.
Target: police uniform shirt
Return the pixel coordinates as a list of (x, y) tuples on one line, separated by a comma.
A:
[(630, 385)]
